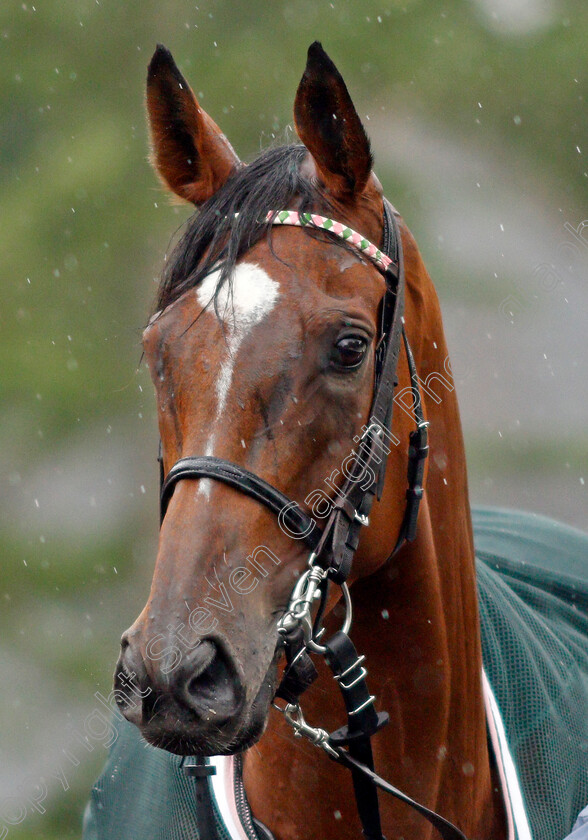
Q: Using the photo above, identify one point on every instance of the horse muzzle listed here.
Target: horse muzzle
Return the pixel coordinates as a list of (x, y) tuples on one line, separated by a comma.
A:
[(196, 705)]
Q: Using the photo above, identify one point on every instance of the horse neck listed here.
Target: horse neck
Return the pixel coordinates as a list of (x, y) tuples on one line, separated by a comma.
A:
[(417, 618)]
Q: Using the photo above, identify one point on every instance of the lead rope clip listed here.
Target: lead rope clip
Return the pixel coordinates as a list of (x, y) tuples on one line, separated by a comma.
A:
[(320, 737)]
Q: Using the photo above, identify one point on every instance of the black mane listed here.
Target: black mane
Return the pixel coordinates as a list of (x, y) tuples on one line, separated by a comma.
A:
[(217, 234)]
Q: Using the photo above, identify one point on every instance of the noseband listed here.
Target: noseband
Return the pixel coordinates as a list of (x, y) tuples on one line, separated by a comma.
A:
[(333, 546)]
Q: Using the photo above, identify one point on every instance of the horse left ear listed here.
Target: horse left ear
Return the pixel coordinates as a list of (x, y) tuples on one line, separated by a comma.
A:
[(189, 152), (328, 125)]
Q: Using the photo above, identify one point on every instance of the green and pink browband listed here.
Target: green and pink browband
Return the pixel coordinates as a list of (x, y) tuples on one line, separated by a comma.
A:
[(352, 237)]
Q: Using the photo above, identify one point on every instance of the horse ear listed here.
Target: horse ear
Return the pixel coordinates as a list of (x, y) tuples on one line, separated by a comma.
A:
[(189, 152), (328, 125)]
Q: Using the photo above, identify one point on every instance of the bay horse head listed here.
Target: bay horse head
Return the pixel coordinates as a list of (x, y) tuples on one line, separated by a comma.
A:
[(263, 354)]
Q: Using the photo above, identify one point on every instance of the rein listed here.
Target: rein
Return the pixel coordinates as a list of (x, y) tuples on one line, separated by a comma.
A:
[(333, 546)]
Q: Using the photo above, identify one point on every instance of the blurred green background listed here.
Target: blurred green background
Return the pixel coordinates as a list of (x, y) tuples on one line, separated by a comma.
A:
[(477, 112)]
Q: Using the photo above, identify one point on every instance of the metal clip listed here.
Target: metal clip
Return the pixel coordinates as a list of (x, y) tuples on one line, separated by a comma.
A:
[(299, 610), (320, 737)]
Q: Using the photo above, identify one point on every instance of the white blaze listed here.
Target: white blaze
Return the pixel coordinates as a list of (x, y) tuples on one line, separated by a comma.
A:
[(251, 296)]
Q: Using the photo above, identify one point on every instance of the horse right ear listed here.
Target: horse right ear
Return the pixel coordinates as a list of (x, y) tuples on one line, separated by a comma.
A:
[(189, 152), (330, 128)]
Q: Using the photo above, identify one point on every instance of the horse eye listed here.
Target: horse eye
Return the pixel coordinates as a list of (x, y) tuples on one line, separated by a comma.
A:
[(348, 352)]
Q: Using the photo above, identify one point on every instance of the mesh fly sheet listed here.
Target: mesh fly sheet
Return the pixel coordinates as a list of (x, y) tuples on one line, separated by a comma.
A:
[(533, 595)]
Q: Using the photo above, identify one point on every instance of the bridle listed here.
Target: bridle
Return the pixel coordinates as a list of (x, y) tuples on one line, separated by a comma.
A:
[(333, 546)]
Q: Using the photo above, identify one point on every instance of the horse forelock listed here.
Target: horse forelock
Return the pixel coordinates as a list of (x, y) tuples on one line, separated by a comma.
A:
[(234, 219)]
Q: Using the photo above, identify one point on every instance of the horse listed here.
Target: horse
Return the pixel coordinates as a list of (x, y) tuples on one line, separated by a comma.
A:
[(270, 338)]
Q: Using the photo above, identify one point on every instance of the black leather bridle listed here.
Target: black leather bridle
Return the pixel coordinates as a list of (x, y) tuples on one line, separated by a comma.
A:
[(336, 544), (332, 550)]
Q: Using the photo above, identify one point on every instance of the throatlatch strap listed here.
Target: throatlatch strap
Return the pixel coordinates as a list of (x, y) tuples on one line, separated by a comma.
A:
[(418, 451)]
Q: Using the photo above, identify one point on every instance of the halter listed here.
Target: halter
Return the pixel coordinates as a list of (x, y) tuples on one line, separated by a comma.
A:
[(333, 547)]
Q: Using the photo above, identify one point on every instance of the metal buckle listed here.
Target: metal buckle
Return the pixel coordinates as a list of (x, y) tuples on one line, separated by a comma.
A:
[(373, 427), (363, 706), (359, 678), (357, 662)]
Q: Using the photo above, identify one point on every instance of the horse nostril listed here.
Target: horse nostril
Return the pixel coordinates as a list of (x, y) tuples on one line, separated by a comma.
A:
[(130, 680), (212, 689)]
